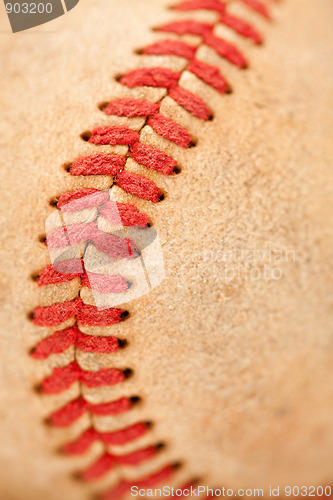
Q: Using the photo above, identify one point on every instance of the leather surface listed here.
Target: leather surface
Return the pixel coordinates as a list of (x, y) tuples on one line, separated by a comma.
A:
[(235, 373)]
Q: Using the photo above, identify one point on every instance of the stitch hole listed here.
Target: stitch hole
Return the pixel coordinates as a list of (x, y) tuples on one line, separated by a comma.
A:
[(135, 400), (138, 51), (122, 343), (67, 166), (86, 135), (31, 316), (31, 351), (47, 421), (102, 105), (124, 315), (211, 118), (76, 476), (128, 373), (177, 170), (160, 446), (161, 197), (53, 202), (192, 144), (34, 276), (177, 465), (38, 388), (148, 424), (42, 239), (118, 77), (60, 451)]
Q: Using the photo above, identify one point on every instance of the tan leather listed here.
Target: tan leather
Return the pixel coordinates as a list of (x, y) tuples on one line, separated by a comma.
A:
[(236, 374)]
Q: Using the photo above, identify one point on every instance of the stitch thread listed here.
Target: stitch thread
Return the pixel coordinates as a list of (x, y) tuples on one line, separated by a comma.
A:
[(137, 185), (116, 438)]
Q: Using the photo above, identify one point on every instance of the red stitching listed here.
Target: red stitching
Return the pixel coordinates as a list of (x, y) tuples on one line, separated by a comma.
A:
[(113, 136), (172, 48), (131, 107), (69, 413), (107, 462), (151, 77), (102, 164), (62, 378), (63, 339), (86, 315), (139, 186), (153, 158), (88, 437), (191, 102), (115, 165)]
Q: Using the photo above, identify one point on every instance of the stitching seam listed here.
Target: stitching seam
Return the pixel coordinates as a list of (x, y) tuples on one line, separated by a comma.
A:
[(115, 166)]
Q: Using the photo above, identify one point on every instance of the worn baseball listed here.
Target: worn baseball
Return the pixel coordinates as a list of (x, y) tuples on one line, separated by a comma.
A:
[(166, 263)]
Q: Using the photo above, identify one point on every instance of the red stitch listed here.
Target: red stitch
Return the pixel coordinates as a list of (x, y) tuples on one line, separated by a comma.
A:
[(131, 107), (209, 74), (241, 27), (114, 246), (153, 158), (124, 487), (105, 463), (113, 408), (92, 343), (124, 436), (258, 7), (63, 339), (56, 343), (62, 378), (172, 48), (79, 200), (90, 315), (71, 235), (66, 415), (170, 130), (102, 164), (49, 275), (226, 50), (103, 283), (191, 102), (151, 77), (202, 4), (114, 136), (73, 410), (57, 313), (188, 27), (138, 456), (105, 376), (128, 215), (84, 442), (139, 186)]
